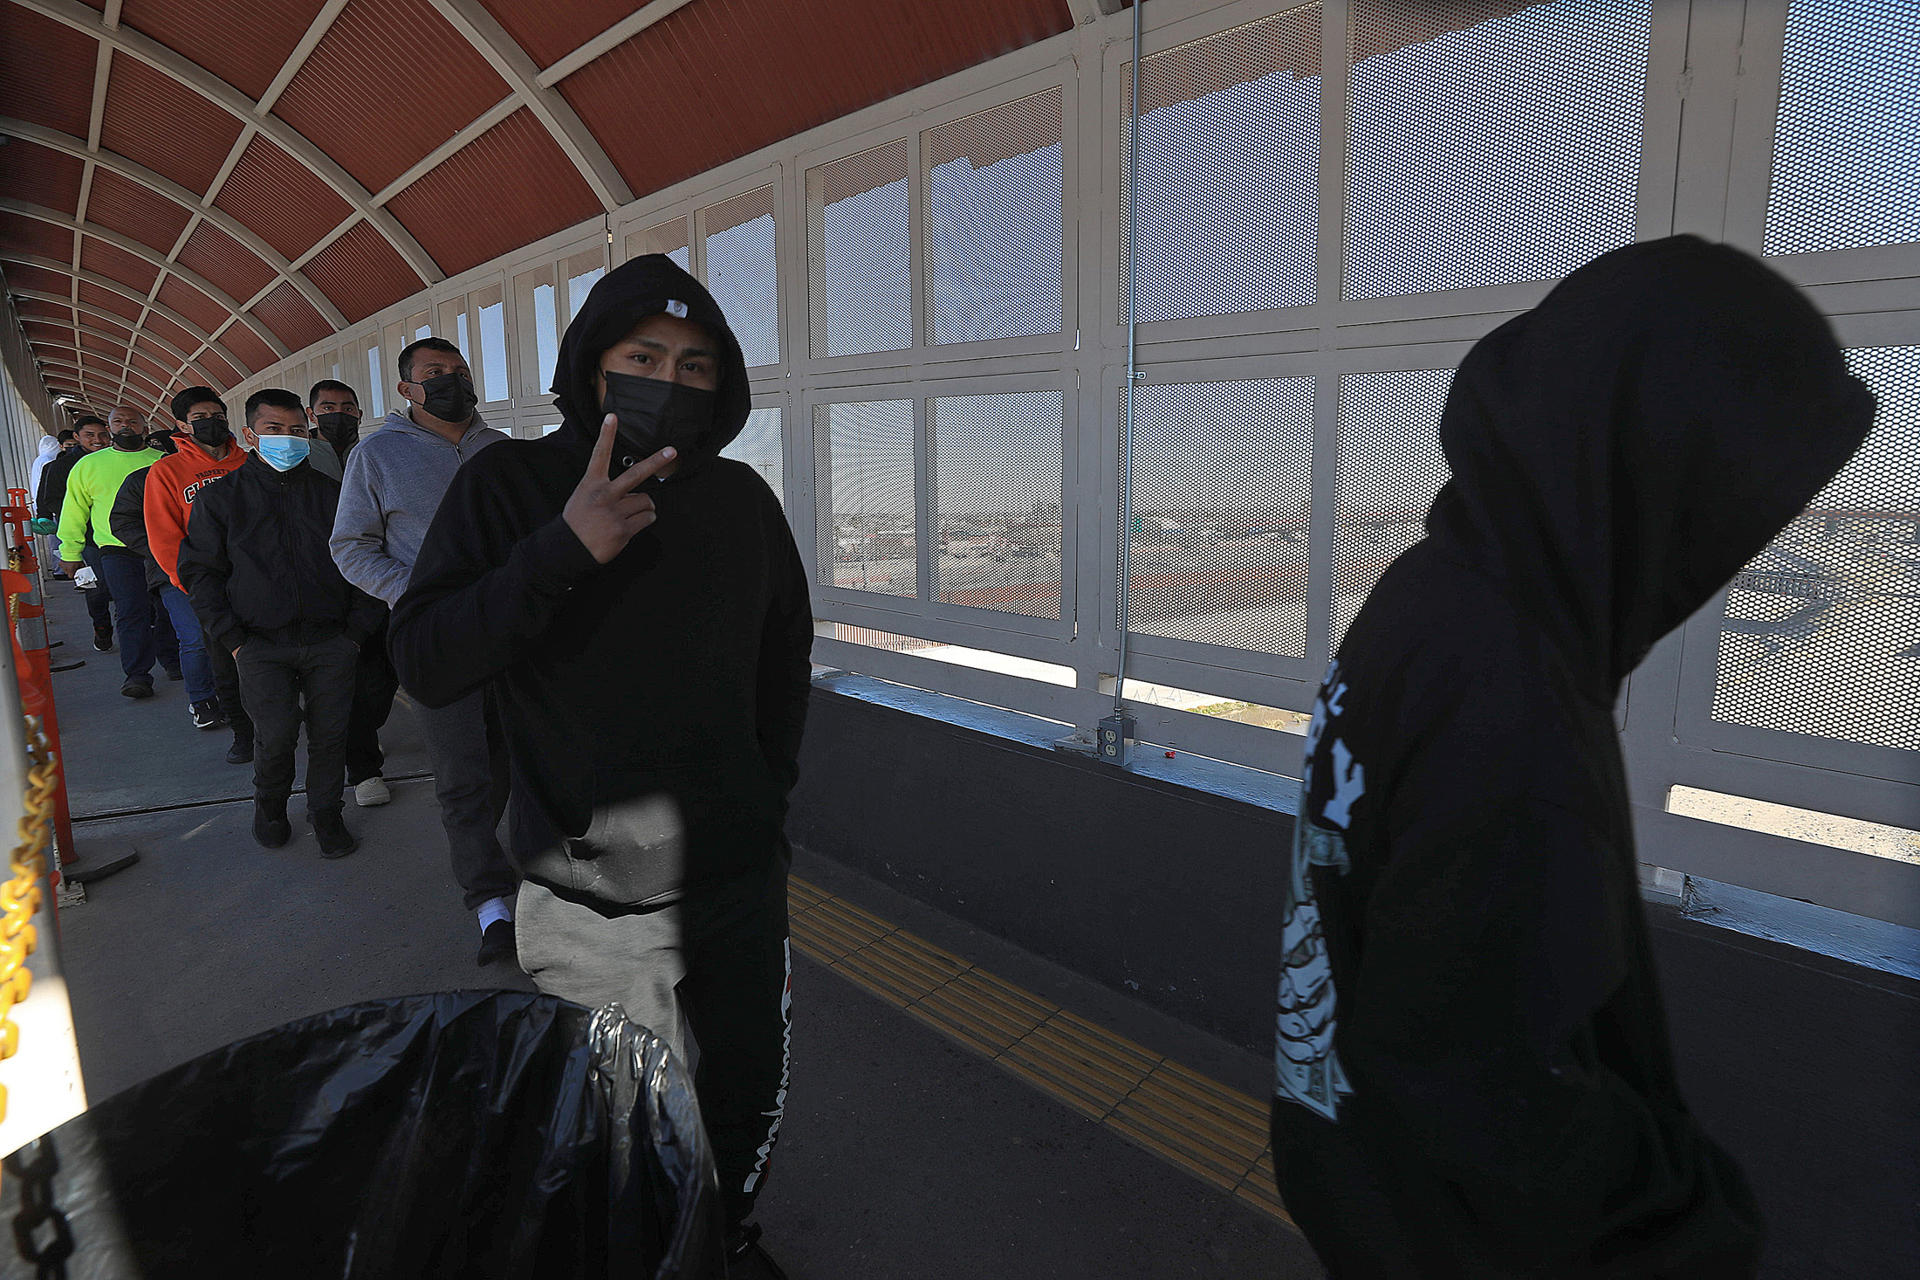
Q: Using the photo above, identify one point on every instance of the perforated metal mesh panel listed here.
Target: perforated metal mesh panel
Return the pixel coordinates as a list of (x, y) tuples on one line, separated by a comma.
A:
[(859, 260), (1388, 470), (1506, 148), (1822, 630), (758, 445), (1222, 489), (867, 509), (1843, 170), (669, 238), (743, 271), (994, 222), (1230, 170), (997, 477)]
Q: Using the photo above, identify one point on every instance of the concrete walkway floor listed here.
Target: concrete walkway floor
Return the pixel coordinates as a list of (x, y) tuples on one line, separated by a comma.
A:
[(905, 1153)]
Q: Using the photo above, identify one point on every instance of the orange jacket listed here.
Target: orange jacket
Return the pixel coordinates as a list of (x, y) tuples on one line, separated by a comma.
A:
[(172, 483)]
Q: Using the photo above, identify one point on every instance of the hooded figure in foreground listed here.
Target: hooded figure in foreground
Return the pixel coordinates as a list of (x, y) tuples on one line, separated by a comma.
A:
[(1472, 1071), (641, 610)]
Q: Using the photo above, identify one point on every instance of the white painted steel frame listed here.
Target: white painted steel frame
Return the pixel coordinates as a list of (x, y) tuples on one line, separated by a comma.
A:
[(1704, 167)]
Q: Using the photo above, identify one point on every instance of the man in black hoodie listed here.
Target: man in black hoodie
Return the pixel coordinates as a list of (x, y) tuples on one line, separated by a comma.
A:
[(648, 638), (1472, 1072), (256, 565)]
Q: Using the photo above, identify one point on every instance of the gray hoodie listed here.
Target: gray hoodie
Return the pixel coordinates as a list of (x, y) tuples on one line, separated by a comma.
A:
[(395, 478)]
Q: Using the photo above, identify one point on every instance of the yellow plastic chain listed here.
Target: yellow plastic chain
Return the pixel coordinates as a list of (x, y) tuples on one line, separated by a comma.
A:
[(20, 894)]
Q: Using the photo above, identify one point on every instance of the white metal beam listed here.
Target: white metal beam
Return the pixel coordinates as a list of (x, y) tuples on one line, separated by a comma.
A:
[(197, 78), (194, 278), (55, 140), (484, 32), (108, 282), (298, 58), (617, 34), (114, 316), (492, 116)]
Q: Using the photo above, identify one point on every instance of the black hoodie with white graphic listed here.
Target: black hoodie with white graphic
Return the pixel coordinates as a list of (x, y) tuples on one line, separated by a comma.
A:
[(1472, 1072), (653, 705)]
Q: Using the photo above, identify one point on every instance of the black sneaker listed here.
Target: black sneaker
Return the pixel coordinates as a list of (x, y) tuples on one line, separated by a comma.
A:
[(270, 825), (746, 1260), (241, 752), (497, 944), (175, 673), (335, 840), (103, 639), (206, 714), (136, 689)]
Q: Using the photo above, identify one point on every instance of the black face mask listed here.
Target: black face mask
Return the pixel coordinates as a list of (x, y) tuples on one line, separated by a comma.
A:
[(655, 414), (211, 432), (448, 397), (163, 441), (129, 440), (342, 430)]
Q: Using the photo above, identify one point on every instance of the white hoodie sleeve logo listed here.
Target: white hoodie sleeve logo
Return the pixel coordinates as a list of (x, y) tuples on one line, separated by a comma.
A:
[(1306, 1068)]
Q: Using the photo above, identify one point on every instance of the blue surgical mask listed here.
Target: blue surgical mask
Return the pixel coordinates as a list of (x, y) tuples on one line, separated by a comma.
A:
[(283, 453)]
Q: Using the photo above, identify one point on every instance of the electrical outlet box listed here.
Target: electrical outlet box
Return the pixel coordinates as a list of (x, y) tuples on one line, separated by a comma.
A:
[(1112, 737)]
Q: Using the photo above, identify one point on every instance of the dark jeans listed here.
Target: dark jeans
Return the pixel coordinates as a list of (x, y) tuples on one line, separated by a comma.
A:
[(142, 636), (718, 964), (226, 691), (190, 646), (470, 780), (100, 599), (374, 683), (275, 680)]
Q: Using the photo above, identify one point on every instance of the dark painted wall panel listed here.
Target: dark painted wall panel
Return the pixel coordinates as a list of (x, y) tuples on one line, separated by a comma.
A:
[(1156, 890)]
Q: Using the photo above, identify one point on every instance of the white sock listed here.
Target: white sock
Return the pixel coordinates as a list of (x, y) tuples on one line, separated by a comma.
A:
[(494, 909)]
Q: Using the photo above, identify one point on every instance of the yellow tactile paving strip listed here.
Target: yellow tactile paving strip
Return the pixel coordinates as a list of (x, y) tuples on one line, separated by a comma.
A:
[(1215, 1133)]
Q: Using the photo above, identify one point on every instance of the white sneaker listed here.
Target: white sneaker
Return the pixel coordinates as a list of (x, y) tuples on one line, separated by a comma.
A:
[(371, 791)]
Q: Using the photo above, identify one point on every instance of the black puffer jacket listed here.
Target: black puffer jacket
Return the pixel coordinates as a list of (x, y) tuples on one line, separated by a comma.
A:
[(256, 565), (128, 520)]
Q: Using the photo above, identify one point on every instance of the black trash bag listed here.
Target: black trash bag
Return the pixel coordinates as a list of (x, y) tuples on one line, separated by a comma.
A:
[(470, 1134)]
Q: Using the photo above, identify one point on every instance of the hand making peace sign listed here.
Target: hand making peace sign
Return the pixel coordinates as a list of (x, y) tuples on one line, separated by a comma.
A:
[(606, 514)]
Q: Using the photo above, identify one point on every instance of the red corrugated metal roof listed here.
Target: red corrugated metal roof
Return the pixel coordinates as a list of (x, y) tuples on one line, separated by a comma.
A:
[(120, 204), (107, 300), (163, 328), (36, 309), (246, 57), (389, 82), (280, 199), (191, 303), (160, 373), (361, 273), (22, 276), (225, 262), (115, 263), (246, 345), (223, 375), (22, 234), (291, 317), (46, 71), (546, 40), (40, 175), (720, 78), (509, 186), (160, 123)]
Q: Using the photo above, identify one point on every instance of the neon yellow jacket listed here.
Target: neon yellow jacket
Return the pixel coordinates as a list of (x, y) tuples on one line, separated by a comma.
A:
[(95, 481)]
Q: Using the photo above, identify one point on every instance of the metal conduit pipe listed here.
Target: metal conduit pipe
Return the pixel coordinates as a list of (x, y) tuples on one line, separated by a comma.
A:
[(1112, 738)]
